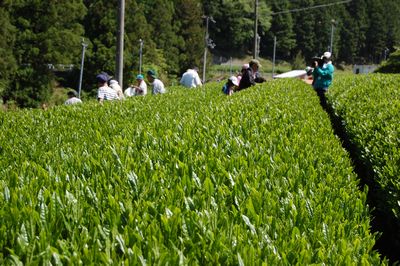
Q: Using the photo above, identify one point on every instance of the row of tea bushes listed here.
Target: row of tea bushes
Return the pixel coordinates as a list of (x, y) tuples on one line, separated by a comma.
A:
[(369, 109), (189, 177)]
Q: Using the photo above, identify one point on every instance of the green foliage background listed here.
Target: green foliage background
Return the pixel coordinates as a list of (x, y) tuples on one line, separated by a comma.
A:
[(37, 33), (392, 65)]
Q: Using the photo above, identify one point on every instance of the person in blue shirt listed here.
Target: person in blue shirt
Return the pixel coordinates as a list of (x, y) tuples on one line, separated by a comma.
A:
[(323, 76)]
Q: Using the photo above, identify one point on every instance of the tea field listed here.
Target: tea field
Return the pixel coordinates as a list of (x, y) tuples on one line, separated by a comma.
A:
[(189, 177), (369, 110)]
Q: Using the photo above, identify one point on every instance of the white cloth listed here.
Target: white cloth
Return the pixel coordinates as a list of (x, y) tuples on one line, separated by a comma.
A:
[(73, 100), (106, 93), (292, 74), (130, 91), (190, 79), (115, 86), (158, 87)]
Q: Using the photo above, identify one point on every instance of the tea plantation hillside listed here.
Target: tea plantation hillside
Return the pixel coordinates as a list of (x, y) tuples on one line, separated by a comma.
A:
[(189, 177)]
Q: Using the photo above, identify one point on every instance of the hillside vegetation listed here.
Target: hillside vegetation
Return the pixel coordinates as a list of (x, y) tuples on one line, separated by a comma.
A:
[(40, 37)]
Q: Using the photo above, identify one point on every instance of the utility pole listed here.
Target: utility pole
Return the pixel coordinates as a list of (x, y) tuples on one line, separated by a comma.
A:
[(333, 23), (140, 55), (84, 45), (273, 59), (207, 43), (120, 42), (230, 66), (386, 52), (255, 28)]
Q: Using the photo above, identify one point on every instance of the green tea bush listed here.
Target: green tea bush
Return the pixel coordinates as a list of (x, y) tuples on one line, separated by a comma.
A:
[(189, 177), (369, 107)]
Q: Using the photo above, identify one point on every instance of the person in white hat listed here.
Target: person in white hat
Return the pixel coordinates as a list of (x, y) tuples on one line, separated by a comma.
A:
[(231, 85), (323, 76)]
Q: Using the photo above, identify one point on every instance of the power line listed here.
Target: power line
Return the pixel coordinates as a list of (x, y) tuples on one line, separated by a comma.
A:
[(310, 7)]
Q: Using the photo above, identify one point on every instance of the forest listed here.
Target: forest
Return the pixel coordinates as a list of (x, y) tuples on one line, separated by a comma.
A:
[(40, 38)]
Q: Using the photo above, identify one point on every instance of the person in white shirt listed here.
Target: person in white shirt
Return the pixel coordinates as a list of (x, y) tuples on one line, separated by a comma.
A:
[(130, 91), (105, 92), (190, 78), (115, 86), (158, 86), (139, 89), (72, 98)]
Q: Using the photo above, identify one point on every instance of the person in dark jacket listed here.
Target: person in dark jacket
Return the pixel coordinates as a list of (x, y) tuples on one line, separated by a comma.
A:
[(251, 76)]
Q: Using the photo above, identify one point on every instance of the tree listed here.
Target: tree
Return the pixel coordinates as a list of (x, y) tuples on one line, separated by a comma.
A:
[(49, 34), (100, 30), (392, 11), (233, 32), (164, 32), (7, 63), (392, 65), (377, 31), (282, 29), (354, 25), (163, 29), (191, 33), (136, 29), (306, 23), (323, 27)]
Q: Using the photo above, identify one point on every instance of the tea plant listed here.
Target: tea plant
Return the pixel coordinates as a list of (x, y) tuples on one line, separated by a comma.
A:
[(189, 177)]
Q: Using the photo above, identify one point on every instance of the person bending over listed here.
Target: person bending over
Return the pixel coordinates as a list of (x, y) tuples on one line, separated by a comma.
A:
[(251, 76)]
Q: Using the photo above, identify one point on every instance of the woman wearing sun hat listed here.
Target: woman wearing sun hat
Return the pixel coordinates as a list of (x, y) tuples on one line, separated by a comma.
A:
[(230, 85)]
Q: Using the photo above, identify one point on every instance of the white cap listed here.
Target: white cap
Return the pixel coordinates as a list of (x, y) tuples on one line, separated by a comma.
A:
[(113, 81), (327, 55), (234, 80)]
